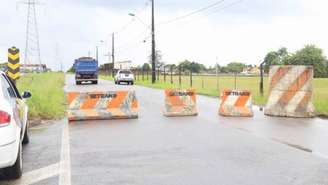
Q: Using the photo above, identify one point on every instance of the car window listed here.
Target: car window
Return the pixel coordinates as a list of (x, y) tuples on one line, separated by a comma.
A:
[(125, 72), (11, 88), (4, 88)]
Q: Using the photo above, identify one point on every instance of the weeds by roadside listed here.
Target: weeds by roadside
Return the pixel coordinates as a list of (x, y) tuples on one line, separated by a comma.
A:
[(48, 98)]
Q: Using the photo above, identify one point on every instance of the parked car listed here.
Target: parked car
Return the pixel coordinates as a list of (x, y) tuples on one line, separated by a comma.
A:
[(124, 76), (13, 127)]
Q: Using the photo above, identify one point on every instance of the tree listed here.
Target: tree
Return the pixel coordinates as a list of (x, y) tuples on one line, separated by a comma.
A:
[(282, 53), (158, 59), (212, 69), (311, 55), (279, 57), (106, 67), (235, 67), (191, 66), (71, 70), (224, 69), (185, 65), (169, 66), (145, 67)]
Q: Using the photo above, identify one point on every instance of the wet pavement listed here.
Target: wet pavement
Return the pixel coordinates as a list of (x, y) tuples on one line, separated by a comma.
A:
[(206, 149), (41, 156)]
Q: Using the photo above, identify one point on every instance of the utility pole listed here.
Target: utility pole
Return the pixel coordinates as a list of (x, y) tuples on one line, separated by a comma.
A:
[(113, 54), (261, 81), (153, 51), (217, 74), (97, 57), (109, 58)]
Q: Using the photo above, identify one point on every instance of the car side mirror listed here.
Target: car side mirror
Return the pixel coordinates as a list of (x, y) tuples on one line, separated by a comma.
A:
[(26, 95)]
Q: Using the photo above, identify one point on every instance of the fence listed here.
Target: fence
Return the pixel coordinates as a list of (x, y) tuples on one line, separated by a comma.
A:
[(209, 84)]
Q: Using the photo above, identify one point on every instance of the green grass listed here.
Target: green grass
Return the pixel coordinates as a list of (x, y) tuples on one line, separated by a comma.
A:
[(48, 98), (207, 85)]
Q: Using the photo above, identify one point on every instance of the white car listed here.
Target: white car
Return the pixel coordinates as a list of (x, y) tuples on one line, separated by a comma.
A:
[(124, 76), (13, 127)]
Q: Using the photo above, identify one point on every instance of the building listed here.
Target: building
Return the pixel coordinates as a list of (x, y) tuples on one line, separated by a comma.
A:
[(123, 65), (34, 68), (251, 70)]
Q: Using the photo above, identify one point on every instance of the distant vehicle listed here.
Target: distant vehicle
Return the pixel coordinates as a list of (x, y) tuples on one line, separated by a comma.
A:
[(13, 127), (124, 76), (86, 70)]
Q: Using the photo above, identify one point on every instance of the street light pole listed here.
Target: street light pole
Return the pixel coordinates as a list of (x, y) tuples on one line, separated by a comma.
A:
[(113, 54), (97, 54), (153, 51)]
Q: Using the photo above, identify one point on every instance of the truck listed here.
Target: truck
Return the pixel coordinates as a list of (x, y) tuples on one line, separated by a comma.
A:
[(86, 70)]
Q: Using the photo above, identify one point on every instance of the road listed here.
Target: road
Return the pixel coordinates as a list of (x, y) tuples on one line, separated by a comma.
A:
[(153, 149)]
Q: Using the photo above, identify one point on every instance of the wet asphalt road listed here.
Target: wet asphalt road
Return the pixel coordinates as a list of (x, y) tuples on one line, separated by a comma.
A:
[(207, 149)]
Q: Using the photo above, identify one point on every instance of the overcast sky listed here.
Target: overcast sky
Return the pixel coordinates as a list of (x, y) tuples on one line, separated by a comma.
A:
[(234, 30)]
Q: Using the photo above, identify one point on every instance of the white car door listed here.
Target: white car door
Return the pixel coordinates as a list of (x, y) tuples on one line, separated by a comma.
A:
[(18, 104)]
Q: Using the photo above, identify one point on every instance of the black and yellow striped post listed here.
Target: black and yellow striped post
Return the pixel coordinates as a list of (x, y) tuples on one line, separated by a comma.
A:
[(13, 64)]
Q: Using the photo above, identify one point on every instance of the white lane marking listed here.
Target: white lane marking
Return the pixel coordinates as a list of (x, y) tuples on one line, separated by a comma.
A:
[(65, 159), (38, 175)]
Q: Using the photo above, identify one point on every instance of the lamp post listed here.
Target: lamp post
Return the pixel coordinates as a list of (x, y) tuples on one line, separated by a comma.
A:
[(97, 51), (113, 54), (153, 49), (138, 18)]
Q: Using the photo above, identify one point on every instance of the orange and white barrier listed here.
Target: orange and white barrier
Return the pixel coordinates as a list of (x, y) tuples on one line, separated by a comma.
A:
[(101, 105), (236, 103), (180, 103), (290, 93)]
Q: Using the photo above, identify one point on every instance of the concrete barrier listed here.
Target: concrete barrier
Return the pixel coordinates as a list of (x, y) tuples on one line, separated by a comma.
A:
[(290, 92), (101, 105), (180, 103), (236, 103)]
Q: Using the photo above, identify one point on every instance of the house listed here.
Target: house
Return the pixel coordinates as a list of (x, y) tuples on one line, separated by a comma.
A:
[(34, 68), (251, 70), (123, 65)]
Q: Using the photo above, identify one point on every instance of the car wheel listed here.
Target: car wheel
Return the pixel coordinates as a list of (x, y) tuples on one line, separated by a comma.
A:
[(95, 82), (78, 83), (132, 83), (26, 138), (15, 172)]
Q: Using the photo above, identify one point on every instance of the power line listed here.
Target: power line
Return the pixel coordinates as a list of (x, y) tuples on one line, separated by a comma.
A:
[(139, 35), (124, 27), (133, 43), (221, 8), (176, 19), (227, 6), (192, 13)]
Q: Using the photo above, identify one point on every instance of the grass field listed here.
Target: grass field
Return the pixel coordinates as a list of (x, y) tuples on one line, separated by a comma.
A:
[(209, 85), (48, 99)]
